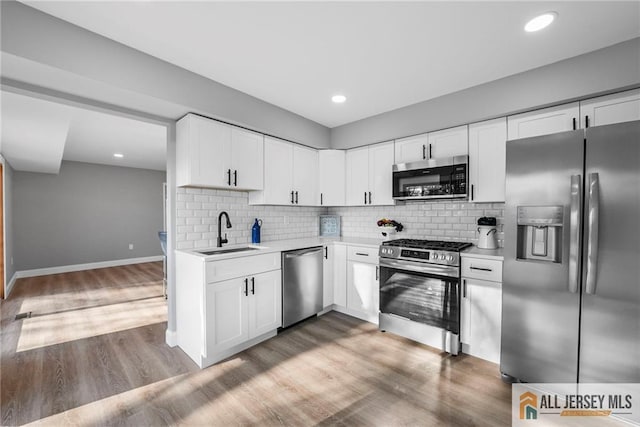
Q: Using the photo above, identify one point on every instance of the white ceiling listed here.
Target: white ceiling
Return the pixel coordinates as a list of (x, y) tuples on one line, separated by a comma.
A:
[(381, 55), (38, 134)]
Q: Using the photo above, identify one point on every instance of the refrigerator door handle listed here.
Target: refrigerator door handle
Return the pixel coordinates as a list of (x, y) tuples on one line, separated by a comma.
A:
[(574, 232), (592, 234)]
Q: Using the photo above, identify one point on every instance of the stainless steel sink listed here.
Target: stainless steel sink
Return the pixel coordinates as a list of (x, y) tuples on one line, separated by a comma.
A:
[(230, 250)]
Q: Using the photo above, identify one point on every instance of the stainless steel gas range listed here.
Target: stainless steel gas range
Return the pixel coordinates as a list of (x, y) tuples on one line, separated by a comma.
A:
[(420, 291)]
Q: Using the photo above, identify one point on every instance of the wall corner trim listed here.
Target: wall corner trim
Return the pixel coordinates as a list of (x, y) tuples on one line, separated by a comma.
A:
[(171, 338), (7, 290)]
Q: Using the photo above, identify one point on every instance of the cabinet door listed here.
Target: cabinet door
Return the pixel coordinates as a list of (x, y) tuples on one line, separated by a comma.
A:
[(487, 160), (543, 122), (226, 315), (203, 154), (380, 174), (265, 302), (332, 177), (305, 175), (411, 149), (247, 159), (448, 143), (362, 289), (327, 275), (340, 275), (481, 314), (610, 109), (357, 176), (278, 174)]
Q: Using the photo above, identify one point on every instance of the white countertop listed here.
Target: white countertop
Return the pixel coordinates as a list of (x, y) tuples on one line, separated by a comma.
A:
[(475, 252), (281, 246)]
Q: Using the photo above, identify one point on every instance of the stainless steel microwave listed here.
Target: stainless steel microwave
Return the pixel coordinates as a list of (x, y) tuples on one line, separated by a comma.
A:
[(431, 179)]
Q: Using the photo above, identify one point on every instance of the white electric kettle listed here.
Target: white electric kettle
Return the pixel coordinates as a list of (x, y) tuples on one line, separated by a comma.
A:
[(487, 233)]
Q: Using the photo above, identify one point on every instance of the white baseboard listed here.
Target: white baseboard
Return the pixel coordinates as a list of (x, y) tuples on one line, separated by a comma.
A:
[(88, 266), (9, 287), (171, 338)]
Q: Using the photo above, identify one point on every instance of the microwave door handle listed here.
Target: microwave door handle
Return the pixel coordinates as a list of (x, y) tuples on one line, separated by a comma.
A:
[(592, 234)]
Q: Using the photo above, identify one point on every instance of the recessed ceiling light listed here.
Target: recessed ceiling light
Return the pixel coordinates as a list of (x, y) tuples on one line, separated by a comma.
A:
[(118, 155), (338, 99), (540, 22)]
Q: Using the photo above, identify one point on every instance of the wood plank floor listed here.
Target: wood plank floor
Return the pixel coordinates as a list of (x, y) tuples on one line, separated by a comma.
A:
[(93, 353)]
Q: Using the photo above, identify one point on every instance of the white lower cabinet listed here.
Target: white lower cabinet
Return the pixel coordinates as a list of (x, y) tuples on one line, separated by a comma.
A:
[(339, 275), (224, 307), (363, 295), (481, 309), (241, 309), (327, 275)]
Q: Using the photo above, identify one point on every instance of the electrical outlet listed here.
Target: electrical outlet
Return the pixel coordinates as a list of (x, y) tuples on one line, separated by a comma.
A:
[(11, 260), (130, 246)]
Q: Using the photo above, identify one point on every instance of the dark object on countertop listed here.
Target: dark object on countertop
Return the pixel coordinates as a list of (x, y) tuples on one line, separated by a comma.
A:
[(487, 220), (255, 231)]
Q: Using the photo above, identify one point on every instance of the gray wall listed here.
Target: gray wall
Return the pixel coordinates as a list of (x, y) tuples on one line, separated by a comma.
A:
[(9, 267), (605, 70), (87, 213), (33, 35)]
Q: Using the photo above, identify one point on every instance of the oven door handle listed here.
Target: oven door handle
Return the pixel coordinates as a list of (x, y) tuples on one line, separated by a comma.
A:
[(420, 267)]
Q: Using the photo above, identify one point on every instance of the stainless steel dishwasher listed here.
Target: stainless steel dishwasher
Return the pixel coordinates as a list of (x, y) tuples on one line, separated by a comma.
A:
[(301, 284)]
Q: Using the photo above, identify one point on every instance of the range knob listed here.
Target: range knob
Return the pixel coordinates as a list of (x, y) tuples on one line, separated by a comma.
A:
[(436, 256), (450, 258)]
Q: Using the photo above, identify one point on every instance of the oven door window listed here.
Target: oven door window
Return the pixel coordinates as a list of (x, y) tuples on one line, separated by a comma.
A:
[(423, 298)]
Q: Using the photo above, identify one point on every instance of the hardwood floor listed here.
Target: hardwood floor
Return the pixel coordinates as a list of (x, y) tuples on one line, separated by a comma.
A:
[(93, 353)]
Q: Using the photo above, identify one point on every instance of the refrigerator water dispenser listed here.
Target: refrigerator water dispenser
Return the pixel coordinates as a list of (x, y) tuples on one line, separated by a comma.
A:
[(540, 233)]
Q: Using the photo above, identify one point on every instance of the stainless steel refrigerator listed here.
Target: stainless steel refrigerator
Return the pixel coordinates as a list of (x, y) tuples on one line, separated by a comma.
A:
[(571, 285)]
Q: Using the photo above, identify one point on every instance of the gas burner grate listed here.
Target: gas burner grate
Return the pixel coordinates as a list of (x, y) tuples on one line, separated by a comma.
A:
[(428, 244)]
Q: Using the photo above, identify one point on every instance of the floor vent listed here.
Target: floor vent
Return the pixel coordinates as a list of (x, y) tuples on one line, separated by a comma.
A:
[(23, 316)]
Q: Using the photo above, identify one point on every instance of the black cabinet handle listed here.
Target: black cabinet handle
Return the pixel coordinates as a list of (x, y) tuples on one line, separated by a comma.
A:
[(574, 123), (464, 288), (291, 197), (321, 198), (377, 274), (235, 178), (326, 252), (361, 254), (369, 197), (424, 152), (296, 197), (253, 286), (246, 287), (480, 268), (365, 197), (471, 191), (229, 176), (586, 121), (430, 152)]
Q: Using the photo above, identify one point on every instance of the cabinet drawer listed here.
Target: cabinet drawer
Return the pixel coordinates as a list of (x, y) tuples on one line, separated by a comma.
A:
[(484, 269), (363, 254), (242, 266)]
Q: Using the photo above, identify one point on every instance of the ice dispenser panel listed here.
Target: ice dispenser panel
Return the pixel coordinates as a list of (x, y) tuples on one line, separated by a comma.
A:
[(540, 233)]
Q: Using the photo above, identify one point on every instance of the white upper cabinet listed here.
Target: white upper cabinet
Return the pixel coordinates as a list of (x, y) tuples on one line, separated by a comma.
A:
[(213, 154), (380, 174), (433, 145), (357, 176), (305, 176), (332, 177), (369, 175), (561, 118), (487, 160), (290, 175), (606, 110), (411, 149), (448, 143)]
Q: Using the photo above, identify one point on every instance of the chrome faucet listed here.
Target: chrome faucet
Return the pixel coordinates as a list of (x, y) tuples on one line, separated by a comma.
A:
[(221, 241)]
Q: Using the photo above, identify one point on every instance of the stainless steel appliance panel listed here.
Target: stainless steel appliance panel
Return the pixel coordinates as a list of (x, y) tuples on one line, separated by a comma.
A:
[(540, 317), (610, 328), (301, 284)]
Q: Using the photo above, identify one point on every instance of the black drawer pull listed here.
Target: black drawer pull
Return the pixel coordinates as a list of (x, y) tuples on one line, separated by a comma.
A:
[(480, 268), (361, 254)]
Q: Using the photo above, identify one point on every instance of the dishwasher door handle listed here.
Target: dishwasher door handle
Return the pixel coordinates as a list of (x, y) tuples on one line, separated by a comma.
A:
[(300, 253)]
